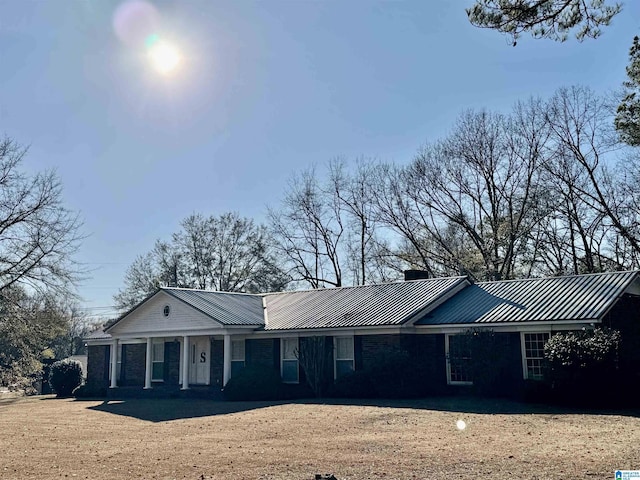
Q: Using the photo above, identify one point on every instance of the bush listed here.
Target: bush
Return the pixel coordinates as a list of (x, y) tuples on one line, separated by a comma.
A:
[(315, 355), (254, 383), (353, 385), (581, 367), (65, 376)]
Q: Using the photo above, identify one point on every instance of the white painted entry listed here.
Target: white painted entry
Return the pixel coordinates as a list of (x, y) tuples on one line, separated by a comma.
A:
[(199, 357)]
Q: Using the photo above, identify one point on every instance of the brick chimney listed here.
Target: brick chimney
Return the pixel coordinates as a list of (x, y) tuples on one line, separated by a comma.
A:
[(416, 275)]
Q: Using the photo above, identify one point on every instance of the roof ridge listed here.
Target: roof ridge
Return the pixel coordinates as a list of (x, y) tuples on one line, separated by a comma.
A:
[(394, 282), (573, 275), (200, 290)]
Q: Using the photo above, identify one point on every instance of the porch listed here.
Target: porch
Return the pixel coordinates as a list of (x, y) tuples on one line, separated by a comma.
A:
[(163, 366)]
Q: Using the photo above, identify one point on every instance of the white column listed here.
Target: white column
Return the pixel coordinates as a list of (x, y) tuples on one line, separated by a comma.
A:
[(226, 369), (114, 363), (185, 362), (148, 365), (180, 362)]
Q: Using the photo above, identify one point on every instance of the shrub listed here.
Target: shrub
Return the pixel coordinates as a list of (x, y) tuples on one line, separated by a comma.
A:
[(582, 366), (315, 355), (254, 383), (65, 376)]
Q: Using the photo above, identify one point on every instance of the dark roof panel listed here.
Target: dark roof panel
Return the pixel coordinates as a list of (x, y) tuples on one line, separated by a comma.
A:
[(578, 297)]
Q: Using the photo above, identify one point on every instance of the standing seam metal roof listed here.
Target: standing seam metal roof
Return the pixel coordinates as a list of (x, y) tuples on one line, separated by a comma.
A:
[(578, 297), (227, 308), (368, 305)]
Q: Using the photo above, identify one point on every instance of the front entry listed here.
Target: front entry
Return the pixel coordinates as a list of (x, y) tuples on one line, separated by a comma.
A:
[(200, 351)]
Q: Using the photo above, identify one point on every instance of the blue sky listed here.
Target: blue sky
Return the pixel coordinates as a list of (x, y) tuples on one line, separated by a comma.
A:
[(264, 89)]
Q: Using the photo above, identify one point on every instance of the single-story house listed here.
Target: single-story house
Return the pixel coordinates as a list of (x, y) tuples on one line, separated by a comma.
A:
[(182, 339)]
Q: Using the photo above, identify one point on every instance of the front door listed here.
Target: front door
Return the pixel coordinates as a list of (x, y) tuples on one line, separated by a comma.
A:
[(199, 361)]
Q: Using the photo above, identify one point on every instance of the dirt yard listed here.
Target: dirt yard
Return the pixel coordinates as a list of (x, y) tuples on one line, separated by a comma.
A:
[(43, 437)]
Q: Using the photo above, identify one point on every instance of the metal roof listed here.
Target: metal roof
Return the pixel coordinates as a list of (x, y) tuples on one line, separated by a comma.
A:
[(362, 306), (98, 334), (578, 297), (224, 307)]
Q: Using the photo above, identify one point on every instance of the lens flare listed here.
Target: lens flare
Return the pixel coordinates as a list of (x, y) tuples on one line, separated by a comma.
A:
[(134, 21), (164, 56), (138, 25)]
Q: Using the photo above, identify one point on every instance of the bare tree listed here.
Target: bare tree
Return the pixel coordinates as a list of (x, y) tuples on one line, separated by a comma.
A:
[(38, 235), (413, 247), (78, 326), (315, 355), (624, 186), (243, 257), (225, 253), (355, 190), (158, 268), (309, 227), (477, 189), (583, 136)]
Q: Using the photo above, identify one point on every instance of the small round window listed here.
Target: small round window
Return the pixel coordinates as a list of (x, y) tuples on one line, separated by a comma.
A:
[(167, 310)]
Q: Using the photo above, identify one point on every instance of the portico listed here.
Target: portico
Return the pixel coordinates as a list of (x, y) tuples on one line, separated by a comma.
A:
[(165, 341), (195, 354)]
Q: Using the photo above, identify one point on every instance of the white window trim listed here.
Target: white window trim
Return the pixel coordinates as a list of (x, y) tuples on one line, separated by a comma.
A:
[(157, 342), (448, 360), (523, 350), (335, 354), (282, 359)]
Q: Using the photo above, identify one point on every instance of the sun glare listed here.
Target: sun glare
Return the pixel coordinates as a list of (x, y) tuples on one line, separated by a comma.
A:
[(164, 57)]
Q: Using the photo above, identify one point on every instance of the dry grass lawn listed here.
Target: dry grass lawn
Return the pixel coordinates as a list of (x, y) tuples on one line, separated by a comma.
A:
[(43, 437)]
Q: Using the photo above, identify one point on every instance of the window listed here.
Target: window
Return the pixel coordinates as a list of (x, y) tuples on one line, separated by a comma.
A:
[(533, 354), (459, 359), (157, 361), (166, 311), (237, 356), (343, 348), (289, 360)]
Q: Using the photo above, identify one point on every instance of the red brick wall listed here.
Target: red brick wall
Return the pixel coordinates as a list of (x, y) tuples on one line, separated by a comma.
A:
[(261, 352), (171, 363), (422, 372), (133, 364), (217, 362), (428, 355), (98, 366), (373, 347), (625, 316)]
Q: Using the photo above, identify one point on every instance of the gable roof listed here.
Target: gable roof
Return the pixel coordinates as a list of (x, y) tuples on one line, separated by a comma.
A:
[(578, 297), (227, 308), (362, 306)]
